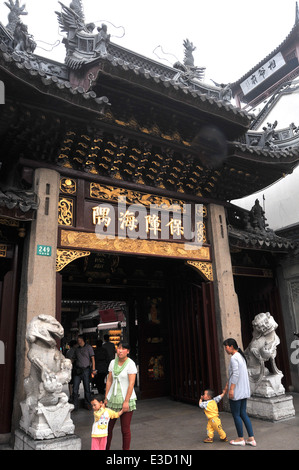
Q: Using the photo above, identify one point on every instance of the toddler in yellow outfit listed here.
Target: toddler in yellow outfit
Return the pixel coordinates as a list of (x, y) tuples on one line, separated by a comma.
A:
[(209, 404), (102, 416)]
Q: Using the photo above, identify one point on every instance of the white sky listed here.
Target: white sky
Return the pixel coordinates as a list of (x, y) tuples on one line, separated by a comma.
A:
[(231, 36)]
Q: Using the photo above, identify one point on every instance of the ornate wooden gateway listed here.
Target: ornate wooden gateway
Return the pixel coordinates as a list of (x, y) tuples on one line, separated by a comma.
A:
[(124, 169), (100, 228)]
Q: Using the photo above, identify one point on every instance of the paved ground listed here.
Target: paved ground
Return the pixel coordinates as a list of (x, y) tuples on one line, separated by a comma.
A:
[(164, 424)]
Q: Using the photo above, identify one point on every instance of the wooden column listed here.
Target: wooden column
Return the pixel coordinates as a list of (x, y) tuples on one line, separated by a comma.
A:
[(226, 300)]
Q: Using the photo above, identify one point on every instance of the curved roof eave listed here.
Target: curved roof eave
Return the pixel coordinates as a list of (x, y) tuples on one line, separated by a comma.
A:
[(284, 160), (184, 93), (294, 30), (33, 76)]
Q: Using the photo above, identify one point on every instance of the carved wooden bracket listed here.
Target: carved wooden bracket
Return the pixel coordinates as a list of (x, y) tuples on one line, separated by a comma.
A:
[(205, 269), (65, 257)]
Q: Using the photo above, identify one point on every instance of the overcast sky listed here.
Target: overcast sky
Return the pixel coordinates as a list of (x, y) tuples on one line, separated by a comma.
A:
[(231, 36)]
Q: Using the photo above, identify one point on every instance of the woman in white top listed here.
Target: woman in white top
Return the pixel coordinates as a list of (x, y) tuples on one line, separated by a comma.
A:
[(120, 393), (238, 391)]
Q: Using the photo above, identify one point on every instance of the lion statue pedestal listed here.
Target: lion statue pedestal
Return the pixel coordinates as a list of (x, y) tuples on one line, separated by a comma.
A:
[(45, 410), (268, 399)]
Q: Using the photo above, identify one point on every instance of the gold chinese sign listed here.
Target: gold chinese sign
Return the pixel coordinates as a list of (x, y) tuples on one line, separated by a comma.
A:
[(137, 222), (123, 221), (112, 194), (141, 215)]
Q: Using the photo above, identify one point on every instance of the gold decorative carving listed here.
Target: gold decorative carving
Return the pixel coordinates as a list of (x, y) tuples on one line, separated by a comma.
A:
[(3, 251), (201, 233), (9, 222), (93, 241), (204, 268), (65, 211), (68, 186), (132, 123), (114, 194), (64, 257)]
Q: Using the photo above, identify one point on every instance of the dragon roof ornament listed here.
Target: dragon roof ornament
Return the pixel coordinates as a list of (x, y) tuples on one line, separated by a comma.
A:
[(82, 44), (19, 38), (16, 10), (85, 44), (188, 70)]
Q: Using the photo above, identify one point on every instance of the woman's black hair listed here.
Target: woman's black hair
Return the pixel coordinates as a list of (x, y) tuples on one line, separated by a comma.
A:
[(124, 344), (232, 342)]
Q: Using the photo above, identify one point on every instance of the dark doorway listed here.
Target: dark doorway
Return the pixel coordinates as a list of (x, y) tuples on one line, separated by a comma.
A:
[(10, 265), (169, 318)]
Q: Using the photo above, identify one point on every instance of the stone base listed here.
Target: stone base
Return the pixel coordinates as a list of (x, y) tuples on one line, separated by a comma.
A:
[(270, 386), (271, 409), (25, 442), (47, 422)]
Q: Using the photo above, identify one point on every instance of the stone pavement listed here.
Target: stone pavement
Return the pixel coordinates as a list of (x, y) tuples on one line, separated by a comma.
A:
[(164, 424)]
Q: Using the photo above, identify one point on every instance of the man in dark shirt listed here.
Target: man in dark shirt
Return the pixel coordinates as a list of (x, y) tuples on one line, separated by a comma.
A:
[(110, 348), (84, 357)]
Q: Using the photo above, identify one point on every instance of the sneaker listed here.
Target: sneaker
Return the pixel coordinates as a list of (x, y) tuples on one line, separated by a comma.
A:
[(208, 440), (224, 439)]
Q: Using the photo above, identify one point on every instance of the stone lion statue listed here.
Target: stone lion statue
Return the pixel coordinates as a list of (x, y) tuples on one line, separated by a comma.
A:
[(46, 411), (263, 349)]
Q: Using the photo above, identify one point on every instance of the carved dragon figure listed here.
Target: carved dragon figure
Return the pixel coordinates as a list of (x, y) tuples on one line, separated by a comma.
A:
[(22, 42), (190, 71), (16, 10), (50, 370), (189, 48)]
